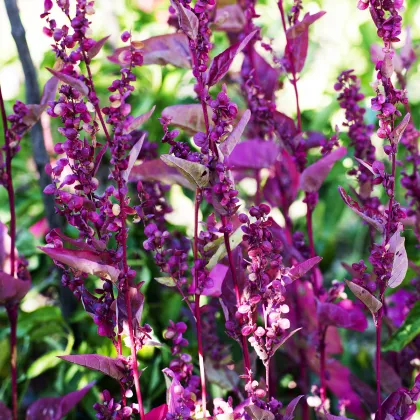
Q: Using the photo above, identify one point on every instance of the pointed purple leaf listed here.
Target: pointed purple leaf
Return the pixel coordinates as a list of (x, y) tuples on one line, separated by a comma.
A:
[(344, 314), (297, 43), (158, 413), (86, 261), (376, 220), (50, 90), (291, 407), (12, 289), (157, 170), (222, 62), (163, 49), (55, 408), (400, 262), (114, 368), (300, 269), (96, 48), (216, 277), (189, 117), (132, 157), (188, 21), (314, 175), (235, 136), (131, 123), (71, 81), (253, 154)]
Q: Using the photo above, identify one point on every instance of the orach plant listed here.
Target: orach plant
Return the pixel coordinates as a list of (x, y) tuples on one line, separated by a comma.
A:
[(263, 278)]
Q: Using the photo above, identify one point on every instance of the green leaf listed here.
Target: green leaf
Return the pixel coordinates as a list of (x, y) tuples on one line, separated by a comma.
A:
[(44, 363), (234, 239), (409, 330), (166, 281)]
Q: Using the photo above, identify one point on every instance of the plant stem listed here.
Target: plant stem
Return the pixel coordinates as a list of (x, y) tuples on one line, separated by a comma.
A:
[(322, 346), (12, 313), (232, 267), (197, 306), (101, 153), (309, 212), (292, 64), (9, 187), (378, 325), (258, 191), (126, 291)]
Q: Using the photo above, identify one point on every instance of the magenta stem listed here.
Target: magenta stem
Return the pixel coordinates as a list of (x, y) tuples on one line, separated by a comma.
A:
[(197, 307), (126, 291), (12, 311), (322, 355), (292, 64), (378, 325), (232, 267)]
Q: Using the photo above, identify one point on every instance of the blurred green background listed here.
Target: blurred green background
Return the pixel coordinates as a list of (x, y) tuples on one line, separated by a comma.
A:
[(340, 40)]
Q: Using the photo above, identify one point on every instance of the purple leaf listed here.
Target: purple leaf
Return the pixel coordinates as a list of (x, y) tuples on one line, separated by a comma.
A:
[(297, 43), (338, 381), (332, 417), (285, 127), (222, 62), (71, 81), (5, 413), (257, 413), (230, 18), (291, 407), (390, 381), (131, 123), (400, 263), (50, 90), (265, 76), (187, 20), (136, 301), (55, 408), (132, 157), (174, 390), (188, 117), (194, 172), (235, 136), (300, 269), (12, 289), (365, 296), (254, 154), (401, 404), (95, 49), (158, 413), (398, 131), (85, 261), (163, 49), (216, 276), (156, 170), (344, 314), (314, 175), (114, 368), (374, 219)]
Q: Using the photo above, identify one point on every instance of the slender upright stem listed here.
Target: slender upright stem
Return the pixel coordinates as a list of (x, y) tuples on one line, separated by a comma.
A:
[(292, 65), (197, 307), (126, 291), (232, 267), (322, 346), (309, 212), (98, 111), (9, 187), (378, 324), (12, 311), (258, 191)]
